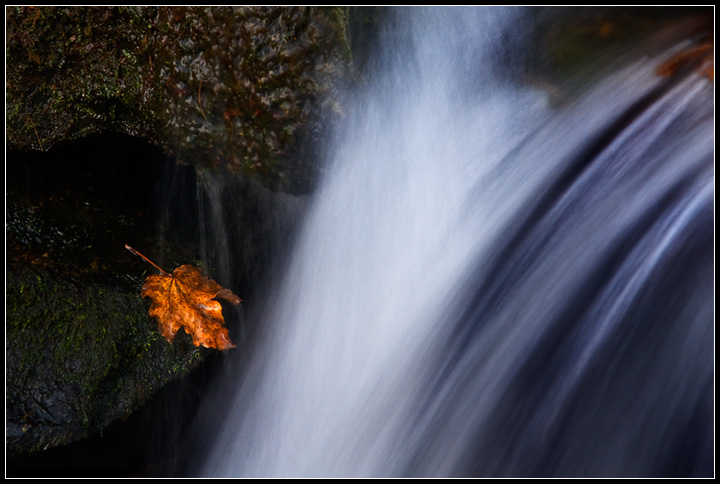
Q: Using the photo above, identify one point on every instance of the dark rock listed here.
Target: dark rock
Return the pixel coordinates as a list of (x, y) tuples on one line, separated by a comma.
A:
[(81, 349), (247, 88), (79, 356)]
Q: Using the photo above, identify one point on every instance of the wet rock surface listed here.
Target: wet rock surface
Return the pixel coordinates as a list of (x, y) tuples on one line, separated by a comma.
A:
[(246, 88), (79, 356)]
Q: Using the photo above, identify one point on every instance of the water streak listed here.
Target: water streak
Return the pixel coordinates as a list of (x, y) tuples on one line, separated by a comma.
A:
[(491, 285)]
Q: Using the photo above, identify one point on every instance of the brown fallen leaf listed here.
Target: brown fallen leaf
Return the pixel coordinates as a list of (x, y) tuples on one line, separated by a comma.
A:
[(186, 299), (701, 57)]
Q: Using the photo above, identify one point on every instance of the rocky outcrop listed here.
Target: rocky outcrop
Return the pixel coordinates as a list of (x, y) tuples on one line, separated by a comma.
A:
[(81, 349), (246, 88), (78, 356), (104, 107)]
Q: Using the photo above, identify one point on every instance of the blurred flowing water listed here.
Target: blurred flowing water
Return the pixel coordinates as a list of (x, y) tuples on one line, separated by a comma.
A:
[(488, 284)]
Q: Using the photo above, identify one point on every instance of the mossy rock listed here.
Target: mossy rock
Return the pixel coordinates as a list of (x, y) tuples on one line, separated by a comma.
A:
[(81, 349), (248, 88), (79, 356)]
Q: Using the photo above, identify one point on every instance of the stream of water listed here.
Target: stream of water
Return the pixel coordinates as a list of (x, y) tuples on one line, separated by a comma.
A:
[(490, 283)]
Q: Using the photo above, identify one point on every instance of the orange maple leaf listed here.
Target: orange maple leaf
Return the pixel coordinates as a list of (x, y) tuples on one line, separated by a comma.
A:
[(186, 299)]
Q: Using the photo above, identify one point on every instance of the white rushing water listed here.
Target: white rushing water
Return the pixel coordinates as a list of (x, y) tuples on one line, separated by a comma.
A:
[(471, 292)]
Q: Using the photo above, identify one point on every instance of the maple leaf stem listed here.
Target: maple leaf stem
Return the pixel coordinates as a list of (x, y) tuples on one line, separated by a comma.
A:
[(138, 253)]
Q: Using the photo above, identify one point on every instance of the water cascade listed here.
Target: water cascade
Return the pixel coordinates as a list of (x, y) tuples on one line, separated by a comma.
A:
[(488, 282)]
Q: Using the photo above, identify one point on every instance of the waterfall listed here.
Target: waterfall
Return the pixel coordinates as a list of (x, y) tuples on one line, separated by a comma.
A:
[(489, 283)]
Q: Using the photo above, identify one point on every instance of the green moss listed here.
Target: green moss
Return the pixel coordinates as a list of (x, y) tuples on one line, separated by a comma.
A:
[(75, 356)]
